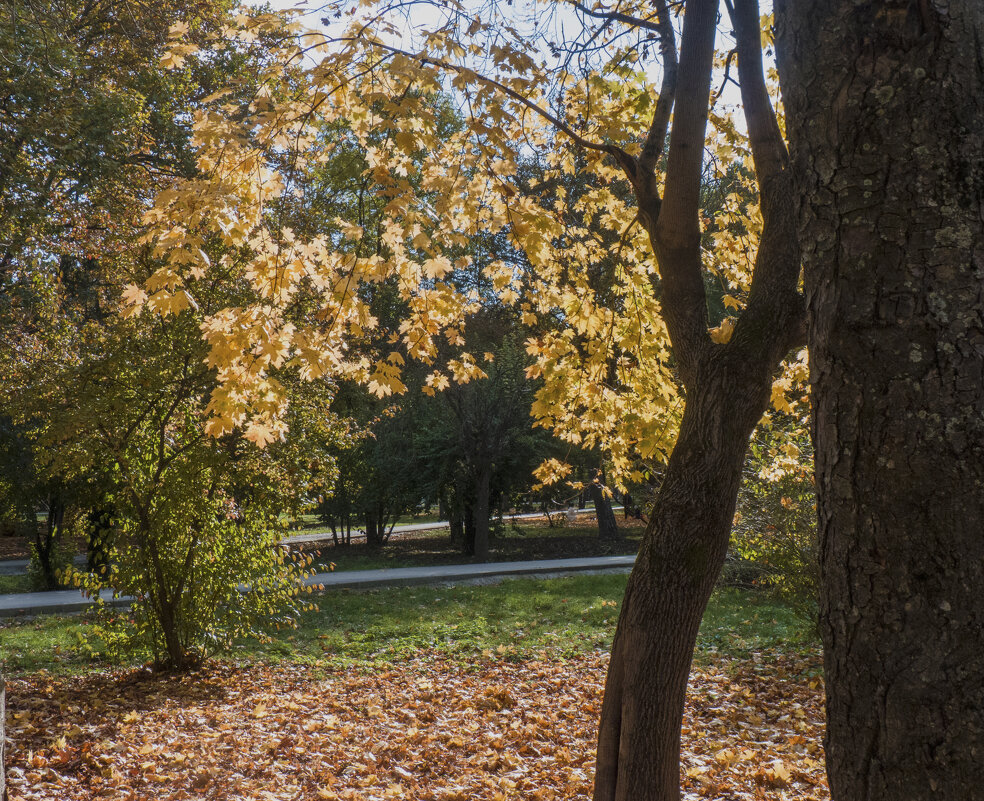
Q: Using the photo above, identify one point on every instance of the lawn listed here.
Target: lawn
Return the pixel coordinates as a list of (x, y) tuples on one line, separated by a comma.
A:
[(516, 619), (15, 583), (485, 692)]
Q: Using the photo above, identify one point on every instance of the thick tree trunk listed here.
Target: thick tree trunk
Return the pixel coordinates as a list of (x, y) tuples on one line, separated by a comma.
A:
[(605, 515), (682, 554), (3, 739), (885, 114)]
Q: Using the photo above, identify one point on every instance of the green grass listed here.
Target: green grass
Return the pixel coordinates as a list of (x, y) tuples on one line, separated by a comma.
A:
[(15, 584), (515, 619)]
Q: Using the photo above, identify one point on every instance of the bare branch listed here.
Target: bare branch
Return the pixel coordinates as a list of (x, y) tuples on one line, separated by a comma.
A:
[(618, 16), (774, 300), (675, 233), (681, 200)]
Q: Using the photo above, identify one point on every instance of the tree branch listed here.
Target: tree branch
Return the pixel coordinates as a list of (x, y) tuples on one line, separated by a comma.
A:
[(768, 148), (675, 233), (652, 149), (613, 150), (681, 199), (618, 16), (775, 304)]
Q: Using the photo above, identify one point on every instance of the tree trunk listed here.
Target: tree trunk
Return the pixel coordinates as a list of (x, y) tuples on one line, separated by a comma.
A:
[(682, 554), (885, 113), (604, 514), (481, 510), (3, 739), (727, 389), (177, 656), (457, 527), (468, 523), (375, 529), (45, 543)]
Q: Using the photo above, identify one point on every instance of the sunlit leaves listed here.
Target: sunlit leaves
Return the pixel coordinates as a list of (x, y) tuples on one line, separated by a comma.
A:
[(463, 131)]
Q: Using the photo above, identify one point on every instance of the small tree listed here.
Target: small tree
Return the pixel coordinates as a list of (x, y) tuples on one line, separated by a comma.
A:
[(379, 475), (198, 519)]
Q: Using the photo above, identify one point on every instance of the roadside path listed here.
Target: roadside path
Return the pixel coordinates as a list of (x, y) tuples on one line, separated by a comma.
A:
[(18, 567), (62, 601)]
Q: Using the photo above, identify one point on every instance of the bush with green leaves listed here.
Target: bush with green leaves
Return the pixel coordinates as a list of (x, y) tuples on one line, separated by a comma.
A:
[(197, 519), (774, 540), (201, 573)]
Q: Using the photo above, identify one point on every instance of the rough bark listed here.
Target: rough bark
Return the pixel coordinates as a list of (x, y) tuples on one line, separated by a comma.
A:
[(682, 554), (885, 114), (727, 388), (3, 739)]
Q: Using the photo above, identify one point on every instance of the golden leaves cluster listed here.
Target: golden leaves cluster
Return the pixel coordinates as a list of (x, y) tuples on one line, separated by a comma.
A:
[(459, 141)]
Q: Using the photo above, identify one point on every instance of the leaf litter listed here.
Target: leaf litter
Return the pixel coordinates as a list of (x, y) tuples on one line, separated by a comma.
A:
[(425, 728)]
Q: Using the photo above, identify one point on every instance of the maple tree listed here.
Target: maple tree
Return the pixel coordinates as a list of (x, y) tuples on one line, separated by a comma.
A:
[(892, 261), (444, 186), (113, 407)]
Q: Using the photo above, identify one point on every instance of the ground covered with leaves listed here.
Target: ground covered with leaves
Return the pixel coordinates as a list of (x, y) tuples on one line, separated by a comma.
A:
[(461, 692), (423, 728)]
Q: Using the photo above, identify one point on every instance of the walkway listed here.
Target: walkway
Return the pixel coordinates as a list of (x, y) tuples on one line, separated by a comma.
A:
[(17, 567), (62, 601)]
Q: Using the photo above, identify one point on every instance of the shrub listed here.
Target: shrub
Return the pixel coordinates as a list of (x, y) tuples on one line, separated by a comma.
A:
[(203, 575), (774, 540)]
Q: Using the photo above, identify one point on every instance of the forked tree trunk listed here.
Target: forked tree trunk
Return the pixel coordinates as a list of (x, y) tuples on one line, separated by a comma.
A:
[(727, 389), (375, 529), (885, 113)]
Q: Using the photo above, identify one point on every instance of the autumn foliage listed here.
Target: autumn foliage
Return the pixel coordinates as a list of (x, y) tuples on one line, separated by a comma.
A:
[(428, 728)]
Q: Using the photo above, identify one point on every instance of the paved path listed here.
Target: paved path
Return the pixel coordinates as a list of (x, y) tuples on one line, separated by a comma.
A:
[(17, 567), (39, 603)]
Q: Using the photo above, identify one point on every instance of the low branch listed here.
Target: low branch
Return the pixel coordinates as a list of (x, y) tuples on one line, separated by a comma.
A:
[(613, 150)]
